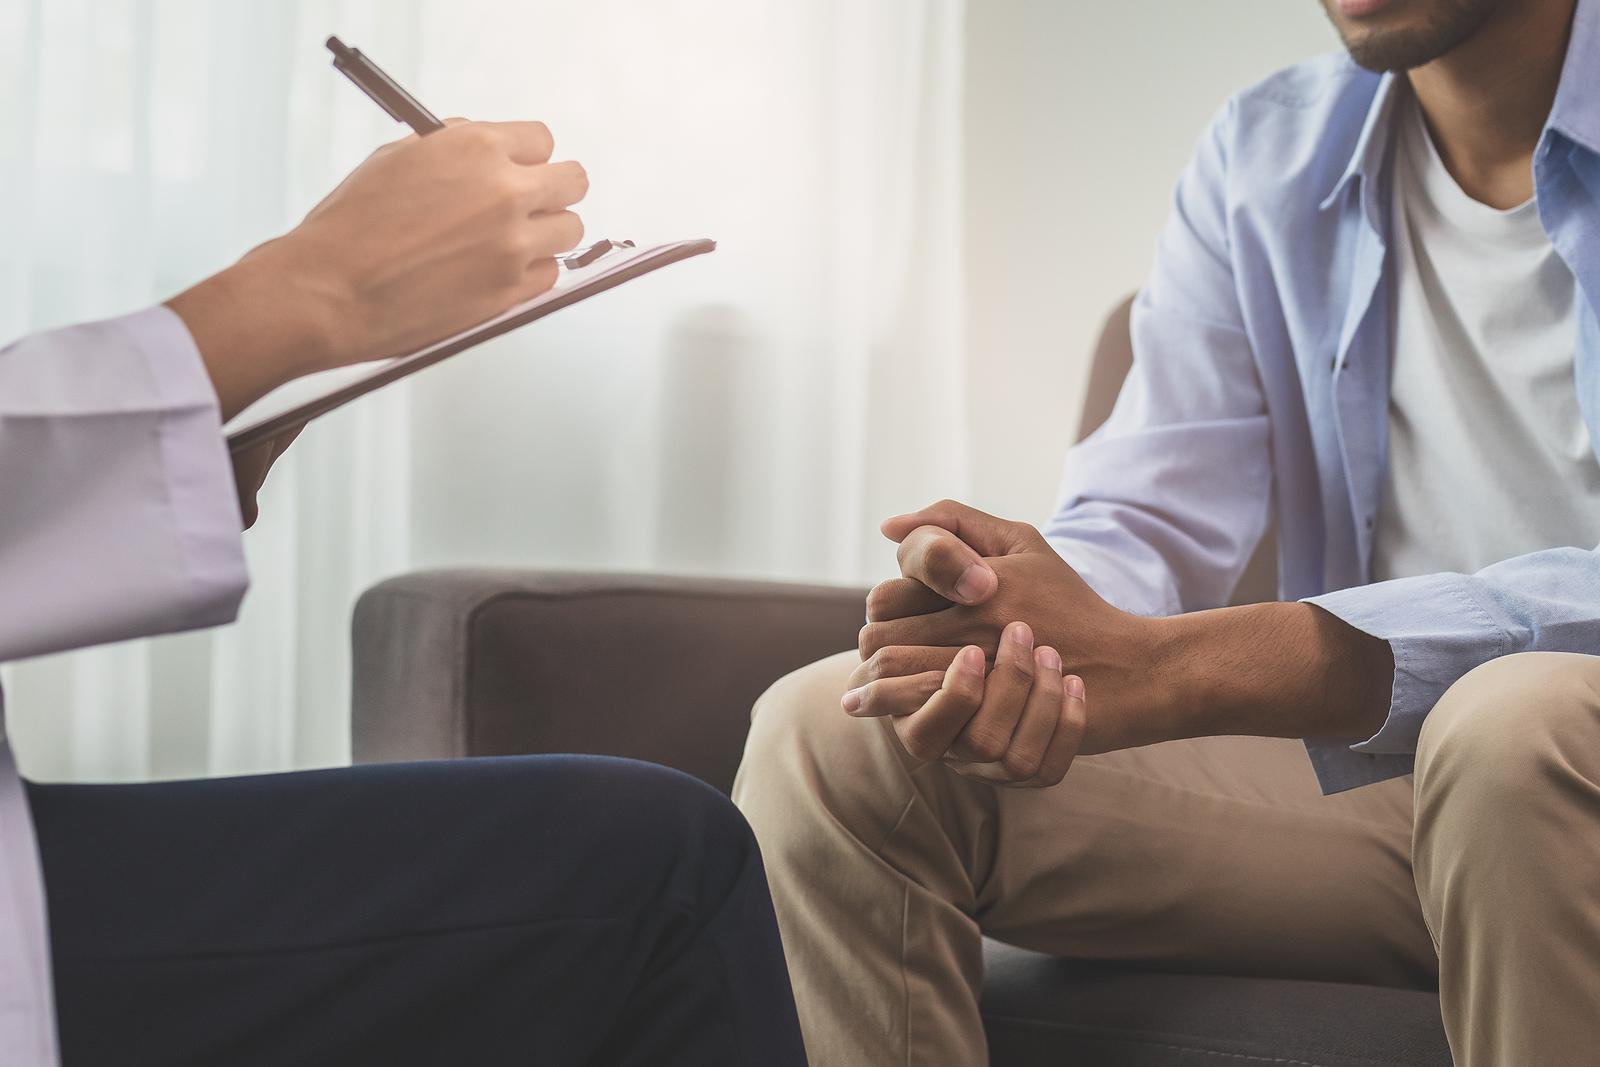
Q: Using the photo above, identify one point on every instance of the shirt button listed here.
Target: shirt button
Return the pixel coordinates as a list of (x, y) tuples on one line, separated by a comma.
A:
[(1370, 522)]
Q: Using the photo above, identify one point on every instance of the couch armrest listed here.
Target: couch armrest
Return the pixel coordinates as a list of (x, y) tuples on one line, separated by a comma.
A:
[(490, 662)]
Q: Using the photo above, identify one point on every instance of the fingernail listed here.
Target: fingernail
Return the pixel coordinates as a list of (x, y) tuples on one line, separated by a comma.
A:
[(972, 659), (852, 700), (1049, 659), (1074, 686), (976, 582), (1020, 635)]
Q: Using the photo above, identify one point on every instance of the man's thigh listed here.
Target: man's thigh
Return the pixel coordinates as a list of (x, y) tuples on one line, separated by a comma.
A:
[(1215, 854), (440, 912), (1218, 854)]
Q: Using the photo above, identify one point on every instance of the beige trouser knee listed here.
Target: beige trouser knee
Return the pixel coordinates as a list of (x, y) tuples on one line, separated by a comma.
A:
[(1214, 854), (1507, 858)]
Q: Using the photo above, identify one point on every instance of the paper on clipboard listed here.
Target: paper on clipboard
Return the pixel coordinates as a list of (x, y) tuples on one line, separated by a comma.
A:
[(317, 394)]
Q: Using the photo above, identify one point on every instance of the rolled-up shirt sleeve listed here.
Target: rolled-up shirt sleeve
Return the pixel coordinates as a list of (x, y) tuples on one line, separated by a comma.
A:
[(1440, 626), (118, 513)]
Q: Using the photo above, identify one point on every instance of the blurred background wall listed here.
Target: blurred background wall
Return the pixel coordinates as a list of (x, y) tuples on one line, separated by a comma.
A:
[(925, 208), (1078, 118)]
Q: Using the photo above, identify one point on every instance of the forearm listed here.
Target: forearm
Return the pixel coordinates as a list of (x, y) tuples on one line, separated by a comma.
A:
[(260, 323), (1270, 670)]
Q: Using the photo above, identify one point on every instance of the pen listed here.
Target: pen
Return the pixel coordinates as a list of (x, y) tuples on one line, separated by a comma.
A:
[(384, 90)]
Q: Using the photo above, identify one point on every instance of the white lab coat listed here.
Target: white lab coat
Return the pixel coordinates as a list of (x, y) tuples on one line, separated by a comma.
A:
[(118, 519)]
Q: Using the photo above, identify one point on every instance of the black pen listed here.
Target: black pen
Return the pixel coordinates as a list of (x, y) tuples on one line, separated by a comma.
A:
[(384, 90)]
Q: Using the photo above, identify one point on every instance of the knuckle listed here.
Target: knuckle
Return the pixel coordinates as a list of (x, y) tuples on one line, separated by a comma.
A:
[(967, 691), (890, 661), (944, 557), (860, 676), (918, 743), (477, 137), (504, 209), (1017, 671), (511, 249), (878, 599), (509, 192), (985, 742), (543, 274), (1021, 766), (574, 227), (1048, 685)]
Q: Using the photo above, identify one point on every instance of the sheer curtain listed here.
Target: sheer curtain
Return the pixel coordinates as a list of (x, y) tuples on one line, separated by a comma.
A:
[(754, 412)]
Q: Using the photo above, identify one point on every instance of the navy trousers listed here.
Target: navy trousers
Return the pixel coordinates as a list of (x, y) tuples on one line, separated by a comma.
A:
[(544, 910)]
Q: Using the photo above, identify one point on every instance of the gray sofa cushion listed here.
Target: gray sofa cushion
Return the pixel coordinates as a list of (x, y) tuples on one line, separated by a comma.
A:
[(466, 663), (1046, 1012)]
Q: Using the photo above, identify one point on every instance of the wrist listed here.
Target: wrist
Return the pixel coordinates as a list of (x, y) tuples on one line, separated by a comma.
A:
[(260, 323), (1136, 683), (1217, 668), (314, 311), (1176, 700), (1271, 670)]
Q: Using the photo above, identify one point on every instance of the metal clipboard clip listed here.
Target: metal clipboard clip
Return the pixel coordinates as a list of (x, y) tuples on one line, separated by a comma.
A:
[(583, 257)]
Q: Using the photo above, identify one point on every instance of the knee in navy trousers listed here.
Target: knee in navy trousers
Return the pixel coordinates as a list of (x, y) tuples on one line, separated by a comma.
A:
[(529, 910)]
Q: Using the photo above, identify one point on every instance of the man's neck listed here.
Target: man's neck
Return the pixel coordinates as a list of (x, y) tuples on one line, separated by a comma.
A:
[(1487, 101)]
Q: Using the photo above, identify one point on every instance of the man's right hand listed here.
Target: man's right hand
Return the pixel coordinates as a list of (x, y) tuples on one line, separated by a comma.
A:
[(427, 237), (1020, 726)]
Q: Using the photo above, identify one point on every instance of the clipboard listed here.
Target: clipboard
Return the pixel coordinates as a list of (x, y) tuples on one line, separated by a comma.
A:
[(584, 273)]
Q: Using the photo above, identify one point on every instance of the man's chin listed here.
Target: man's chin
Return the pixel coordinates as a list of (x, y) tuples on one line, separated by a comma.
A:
[(1381, 51), (1387, 40)]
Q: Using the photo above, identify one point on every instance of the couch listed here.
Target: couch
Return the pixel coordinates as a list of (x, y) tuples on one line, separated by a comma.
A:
[(457, 663)]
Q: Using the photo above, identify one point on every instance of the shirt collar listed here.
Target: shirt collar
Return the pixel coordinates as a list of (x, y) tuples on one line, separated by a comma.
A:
[(1371, 145), (1576, 112)]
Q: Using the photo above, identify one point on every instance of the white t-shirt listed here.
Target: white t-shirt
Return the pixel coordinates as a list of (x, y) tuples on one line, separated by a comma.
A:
[(1488, 454)]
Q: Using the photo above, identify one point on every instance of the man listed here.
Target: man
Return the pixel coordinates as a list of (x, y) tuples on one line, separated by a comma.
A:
[(1372, 317), (560, 910)]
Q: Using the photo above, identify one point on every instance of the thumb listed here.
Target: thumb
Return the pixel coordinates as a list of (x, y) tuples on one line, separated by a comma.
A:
[(988, 535)]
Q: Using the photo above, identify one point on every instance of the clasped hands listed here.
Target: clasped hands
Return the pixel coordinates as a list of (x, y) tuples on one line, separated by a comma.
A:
[(986, 651)]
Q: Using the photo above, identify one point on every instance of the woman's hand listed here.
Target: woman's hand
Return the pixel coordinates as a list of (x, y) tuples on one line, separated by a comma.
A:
[(250, 469), (429, 236)]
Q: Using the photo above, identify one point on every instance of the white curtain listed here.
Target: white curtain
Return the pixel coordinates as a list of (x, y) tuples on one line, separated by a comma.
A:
[(755, 412)]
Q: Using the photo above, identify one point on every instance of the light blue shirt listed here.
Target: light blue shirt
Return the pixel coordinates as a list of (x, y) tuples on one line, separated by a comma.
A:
[(1260, 389)]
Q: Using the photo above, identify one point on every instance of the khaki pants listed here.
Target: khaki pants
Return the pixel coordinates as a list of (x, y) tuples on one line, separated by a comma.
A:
[(1217, 854)]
